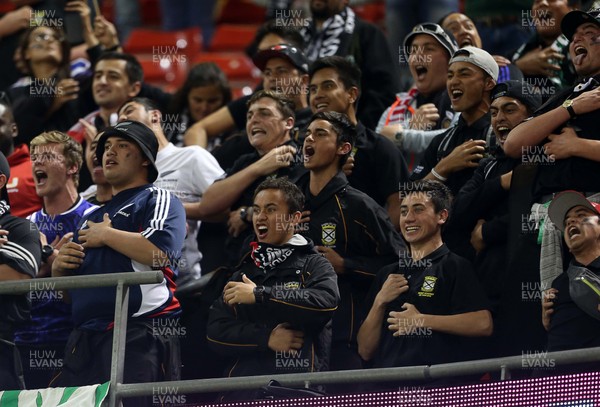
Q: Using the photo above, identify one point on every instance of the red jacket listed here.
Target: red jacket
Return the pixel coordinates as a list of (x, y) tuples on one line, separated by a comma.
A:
[(21, 185)]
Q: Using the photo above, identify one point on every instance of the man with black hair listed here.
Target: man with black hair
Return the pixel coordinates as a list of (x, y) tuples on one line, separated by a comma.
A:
[(141, 229), (186, 172), (422, 307), (453, 155), (378, 166), (350, 229), (20, 258), (117, 77), (275, 312), (334, 29), (480, 215)]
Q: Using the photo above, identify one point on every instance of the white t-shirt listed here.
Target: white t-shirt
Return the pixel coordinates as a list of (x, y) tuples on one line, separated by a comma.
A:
[(187, 172)]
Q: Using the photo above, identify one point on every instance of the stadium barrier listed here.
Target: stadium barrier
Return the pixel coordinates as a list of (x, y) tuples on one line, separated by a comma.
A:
[(118, 390)]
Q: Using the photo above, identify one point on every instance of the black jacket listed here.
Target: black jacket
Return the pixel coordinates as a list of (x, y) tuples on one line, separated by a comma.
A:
[(22, 253), (379, 165), (443, 144), (575, 173), (302, 291), (359, 230), (380, 78), (482, 197)]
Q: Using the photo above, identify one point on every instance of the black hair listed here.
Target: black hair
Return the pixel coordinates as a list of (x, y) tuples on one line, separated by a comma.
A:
[(204, 74), (64, 67), (348, 72), (291, 35), (292, 194), (439, 194), (5, 100), (148, 104), (445, 16), (133, 68), (341, 124)]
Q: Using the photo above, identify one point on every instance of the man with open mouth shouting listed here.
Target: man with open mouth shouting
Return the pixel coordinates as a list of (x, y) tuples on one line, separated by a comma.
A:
[(480, 210), (453, 155), (351, 230), (56, 159), (563, 141), (572, 306), (275, 312)]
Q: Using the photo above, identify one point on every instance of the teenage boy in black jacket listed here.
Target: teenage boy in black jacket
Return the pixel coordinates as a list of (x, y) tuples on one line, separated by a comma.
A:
[(275, 312), (352, 231), (421, 310), (378, 167), (480, 215)]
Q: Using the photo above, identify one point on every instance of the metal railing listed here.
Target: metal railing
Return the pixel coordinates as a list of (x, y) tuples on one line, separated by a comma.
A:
[(119, 390), (122, 281), (504, 365)]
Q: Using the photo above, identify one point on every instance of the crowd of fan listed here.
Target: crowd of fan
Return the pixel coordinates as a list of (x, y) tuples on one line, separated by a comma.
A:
[(332, 219)]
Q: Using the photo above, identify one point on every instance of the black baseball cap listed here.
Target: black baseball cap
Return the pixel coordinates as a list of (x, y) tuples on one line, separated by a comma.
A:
[(4, 169), (294, 55), (138, 132), (521, 91), (575, 18), (445, 39)]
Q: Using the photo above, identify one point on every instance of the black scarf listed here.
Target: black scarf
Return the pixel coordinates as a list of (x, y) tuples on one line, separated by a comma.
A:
[(267, 256), (334, 37)]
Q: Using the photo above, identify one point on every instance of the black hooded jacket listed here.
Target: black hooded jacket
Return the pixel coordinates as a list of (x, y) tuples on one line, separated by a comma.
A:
[(300, 291), (359, 230)]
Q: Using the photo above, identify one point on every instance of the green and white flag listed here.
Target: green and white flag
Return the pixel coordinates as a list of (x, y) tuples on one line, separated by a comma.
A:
[(85, 396)]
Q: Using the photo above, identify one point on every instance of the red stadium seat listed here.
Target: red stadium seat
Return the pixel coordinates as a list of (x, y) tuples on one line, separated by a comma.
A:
[(150, 10), (236, 65), (372, 12), (153, 42), (232, 37), (164, 73), (6, 6)]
